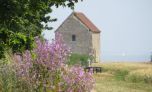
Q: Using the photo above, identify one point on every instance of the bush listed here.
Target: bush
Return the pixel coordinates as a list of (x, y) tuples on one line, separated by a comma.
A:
[(78, 59), (46, 71), (9, 81), (120, 74)]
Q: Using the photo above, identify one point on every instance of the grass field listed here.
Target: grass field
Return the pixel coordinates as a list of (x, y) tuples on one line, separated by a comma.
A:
[(124, 77)]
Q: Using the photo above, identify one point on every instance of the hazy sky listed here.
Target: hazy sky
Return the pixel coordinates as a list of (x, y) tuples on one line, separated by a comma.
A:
[(126, 26)]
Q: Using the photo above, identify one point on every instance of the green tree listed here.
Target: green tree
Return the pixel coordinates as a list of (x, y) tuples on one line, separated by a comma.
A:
[(21, 21)]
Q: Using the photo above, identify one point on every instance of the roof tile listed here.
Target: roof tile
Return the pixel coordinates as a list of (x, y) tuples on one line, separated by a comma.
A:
[(86, 22)]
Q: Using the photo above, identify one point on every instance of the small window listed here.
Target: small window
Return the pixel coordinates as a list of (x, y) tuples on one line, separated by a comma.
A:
[(73, 38)]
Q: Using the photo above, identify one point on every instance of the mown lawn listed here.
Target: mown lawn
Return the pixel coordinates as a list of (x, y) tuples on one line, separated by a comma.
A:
[(124, 77)]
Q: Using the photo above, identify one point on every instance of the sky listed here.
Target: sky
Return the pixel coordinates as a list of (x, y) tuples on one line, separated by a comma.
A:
[(126, 27)]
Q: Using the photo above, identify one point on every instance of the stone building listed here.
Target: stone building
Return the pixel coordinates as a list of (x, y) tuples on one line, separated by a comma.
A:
[(81, 35)]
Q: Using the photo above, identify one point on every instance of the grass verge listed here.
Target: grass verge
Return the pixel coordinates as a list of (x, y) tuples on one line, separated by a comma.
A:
[(124, 77)]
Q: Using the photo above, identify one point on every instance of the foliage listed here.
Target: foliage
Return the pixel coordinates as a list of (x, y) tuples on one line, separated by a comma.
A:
[(21, 21), (9, 81), (121, 74), (76, 80), (46, 71), (79, 59)]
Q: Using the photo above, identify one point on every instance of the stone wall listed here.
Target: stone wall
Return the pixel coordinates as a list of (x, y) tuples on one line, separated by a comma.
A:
[(72, 26), (96, 45)]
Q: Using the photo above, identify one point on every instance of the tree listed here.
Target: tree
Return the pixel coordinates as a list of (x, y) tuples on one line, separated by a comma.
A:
[(21, 21)]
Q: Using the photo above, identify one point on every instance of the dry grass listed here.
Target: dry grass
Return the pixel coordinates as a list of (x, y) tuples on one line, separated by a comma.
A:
[(124, 77), (126, 66)]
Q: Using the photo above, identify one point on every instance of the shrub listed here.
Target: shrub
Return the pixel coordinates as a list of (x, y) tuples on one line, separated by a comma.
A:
[(45, 69), (76, 80), (120, 74), (79, 59), (9, 81)]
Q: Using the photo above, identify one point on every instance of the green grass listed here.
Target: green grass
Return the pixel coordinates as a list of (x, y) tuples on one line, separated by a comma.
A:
[(124, 77), (9, 82), (78, 59), (120, 74)]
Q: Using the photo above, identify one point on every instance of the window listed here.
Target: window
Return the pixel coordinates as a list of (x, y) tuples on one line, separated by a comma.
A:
[(73, 38)]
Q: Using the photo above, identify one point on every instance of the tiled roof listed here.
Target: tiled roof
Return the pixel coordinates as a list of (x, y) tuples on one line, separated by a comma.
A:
[(86, 22)]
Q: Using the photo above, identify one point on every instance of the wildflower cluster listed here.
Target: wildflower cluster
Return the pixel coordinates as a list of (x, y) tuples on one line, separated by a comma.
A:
[(45, 68), (76, 80)]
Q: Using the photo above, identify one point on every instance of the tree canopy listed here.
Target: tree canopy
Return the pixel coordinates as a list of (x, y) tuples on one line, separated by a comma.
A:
[(21, 21)]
